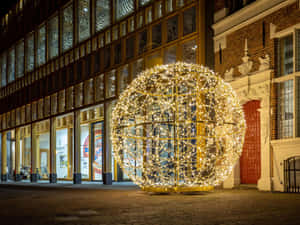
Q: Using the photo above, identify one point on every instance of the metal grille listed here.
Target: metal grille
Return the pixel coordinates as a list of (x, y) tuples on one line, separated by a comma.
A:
[(292, 174)]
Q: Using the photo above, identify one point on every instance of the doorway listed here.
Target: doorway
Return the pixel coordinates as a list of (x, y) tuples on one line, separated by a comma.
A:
[(97, 130), (250, 164)]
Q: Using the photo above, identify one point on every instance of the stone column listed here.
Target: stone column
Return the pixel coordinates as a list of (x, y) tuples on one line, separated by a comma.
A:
[(77, 156), (264, 183), (53, 175), (4, 156), (107, 175), (17, 148), (34, 154)]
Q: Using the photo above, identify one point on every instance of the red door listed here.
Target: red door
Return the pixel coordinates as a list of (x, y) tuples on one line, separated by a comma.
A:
[(250, 159)]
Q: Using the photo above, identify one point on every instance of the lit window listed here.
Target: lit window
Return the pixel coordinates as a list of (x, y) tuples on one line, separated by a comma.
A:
[(11, 65), (3, 69), (41, 46), (20, 59), (169, 5), (285, 109), (143, 2), (170, 55), (29, 52), (123, 8), (83, 20), (102, 14), (110, 84), (67, 28), (285, 53), (189, 51), (53, 37)]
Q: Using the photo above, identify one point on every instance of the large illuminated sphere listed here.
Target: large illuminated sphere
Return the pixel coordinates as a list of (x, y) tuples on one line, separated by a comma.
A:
[(177, 127)]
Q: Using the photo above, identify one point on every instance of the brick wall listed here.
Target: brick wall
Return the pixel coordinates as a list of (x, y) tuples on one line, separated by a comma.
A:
[(233, 53)]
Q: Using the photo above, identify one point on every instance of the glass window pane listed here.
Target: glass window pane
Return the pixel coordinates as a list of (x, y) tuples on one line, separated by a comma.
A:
[(170, 55), (29, 53), (44, 151), (123, 78), (85, 151), (20, 59), (3, 69), (123, 8), (11, 65), (111, 84), (287, 55), (172, 28), (285, 114), (62, 153), (137, 67), (98, 150), (83, 19), (67, 28), (154, 59), (53, 37), (158, 10), (118, 53), (189, 21), (142, 41), (102, 14), (130, 47), (169, 6), (156, 36), (189, 51), (106, 57), (41, 46)]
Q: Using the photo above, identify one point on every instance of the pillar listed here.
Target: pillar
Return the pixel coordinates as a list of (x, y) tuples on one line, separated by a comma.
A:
[(34, 154), (17, 149), (76, 141), (107, 175), (4, 157), (53, 175), (265, 181)]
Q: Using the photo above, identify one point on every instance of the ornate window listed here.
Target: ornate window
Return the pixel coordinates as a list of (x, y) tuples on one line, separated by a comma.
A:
[(53, 37), (83, 20), (20, 59), (41, 46), (102, 14), (123, 8), (11, 65), (67, 28)]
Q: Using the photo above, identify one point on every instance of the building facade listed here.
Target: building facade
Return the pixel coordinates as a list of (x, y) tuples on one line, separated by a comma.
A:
[(63, 65), (256, 46)]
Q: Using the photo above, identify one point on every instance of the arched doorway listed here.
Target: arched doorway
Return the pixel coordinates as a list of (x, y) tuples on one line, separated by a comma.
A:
[(292, 174), (250, 163)]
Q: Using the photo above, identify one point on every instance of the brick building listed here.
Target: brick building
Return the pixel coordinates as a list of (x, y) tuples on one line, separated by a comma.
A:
[(256, 46)]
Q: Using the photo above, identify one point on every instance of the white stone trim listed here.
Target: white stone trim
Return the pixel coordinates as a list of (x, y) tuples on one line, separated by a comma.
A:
[(256, 87), (248, 15), (222, 41), (220, 14)]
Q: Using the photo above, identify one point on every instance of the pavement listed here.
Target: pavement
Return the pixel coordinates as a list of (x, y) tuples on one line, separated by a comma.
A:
[(124, 203)]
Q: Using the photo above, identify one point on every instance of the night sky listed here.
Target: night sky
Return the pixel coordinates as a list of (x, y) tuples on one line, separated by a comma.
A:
[(5, 5)]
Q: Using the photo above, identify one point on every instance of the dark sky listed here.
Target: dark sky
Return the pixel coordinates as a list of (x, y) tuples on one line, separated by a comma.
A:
[(5, 5)]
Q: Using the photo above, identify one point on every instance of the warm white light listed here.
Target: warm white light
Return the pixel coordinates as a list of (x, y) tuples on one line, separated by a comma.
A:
[(177, 127)]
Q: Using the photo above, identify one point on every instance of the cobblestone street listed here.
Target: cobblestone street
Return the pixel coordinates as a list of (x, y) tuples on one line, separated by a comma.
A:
[(89, 205)]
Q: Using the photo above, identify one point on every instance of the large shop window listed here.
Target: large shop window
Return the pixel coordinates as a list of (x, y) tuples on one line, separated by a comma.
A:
[(3, 69), (41, 46), (67, 28), (285, 109), (20, 59), (123, 8), (63, 155), (83, 20), (53, 37), (29, 53), (102, 14)]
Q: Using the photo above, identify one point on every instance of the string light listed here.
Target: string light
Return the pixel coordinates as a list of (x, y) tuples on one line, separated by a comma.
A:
[(177, 127)]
